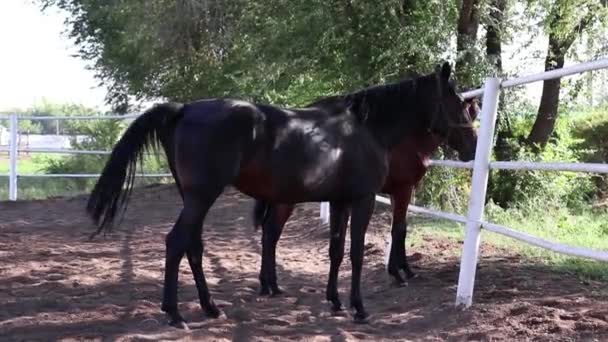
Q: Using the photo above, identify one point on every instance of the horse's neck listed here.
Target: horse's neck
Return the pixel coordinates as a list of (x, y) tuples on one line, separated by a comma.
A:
[(427, 144), (391, 112)]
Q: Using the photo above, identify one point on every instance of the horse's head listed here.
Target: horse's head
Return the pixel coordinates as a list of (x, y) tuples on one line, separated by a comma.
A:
[(463, 137), (451, 117)]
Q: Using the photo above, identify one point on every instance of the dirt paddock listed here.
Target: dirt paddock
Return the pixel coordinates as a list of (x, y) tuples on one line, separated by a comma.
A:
[(55, 284)]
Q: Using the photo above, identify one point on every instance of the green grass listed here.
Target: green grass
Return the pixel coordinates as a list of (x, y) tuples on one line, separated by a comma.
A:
[(40, 188), (585, 229), (25, 164), (35, 188)]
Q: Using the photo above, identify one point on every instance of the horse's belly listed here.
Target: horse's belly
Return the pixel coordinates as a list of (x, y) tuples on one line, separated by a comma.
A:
[(252, 180)]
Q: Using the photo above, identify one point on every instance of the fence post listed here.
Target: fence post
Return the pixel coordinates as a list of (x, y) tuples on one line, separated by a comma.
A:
[(481, 168), (12, 181), (324, 212)]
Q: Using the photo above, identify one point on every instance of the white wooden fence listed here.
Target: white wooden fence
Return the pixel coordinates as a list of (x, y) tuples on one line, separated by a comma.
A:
[(14, 149), (481, 167)]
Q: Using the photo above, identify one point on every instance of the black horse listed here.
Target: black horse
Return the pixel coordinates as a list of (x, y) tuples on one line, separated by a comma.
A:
[(337, 154), (408, 162)]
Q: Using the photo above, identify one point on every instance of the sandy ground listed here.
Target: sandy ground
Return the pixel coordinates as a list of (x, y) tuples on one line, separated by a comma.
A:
[(55, 284)]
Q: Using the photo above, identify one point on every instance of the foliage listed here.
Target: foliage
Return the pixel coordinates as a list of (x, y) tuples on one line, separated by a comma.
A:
[(592, 132), (592, 129), (291, 52), (528, 188), (444, 188), (264, 49), (100, 136), (45, 107)]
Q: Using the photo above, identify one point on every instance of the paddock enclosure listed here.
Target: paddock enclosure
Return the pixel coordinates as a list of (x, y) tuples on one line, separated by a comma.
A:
[(56, 284)]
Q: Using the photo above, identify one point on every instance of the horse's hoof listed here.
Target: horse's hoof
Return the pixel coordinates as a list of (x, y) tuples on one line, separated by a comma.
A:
[(412, 275), (409, 274), (212, 311), (401, 283), (264, 291), (179, 323), (276, 292), (336, 307), (360, 318), (398, 281)]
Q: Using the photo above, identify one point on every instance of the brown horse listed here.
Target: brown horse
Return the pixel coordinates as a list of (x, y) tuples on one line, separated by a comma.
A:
[(408, 163)]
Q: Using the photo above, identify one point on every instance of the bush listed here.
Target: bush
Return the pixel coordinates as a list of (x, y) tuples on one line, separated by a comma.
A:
[(101, 136), (592, 130), (578, 137), (532, 188), (444, 188)]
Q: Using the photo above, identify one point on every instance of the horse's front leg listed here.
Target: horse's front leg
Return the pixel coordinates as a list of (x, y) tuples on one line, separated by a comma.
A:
[(361, 214), (397, 259), (271, 233), (407, 197), (338, 220)]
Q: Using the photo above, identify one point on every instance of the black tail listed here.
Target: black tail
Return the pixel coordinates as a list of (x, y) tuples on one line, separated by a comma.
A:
[(260, 213), (143, 134)]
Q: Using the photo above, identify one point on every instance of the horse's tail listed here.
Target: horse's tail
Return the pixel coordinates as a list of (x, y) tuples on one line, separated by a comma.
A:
[(260, 213), (144, 134)]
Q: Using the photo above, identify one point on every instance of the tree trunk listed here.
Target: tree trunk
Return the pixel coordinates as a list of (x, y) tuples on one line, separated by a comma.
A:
[(494, 35), (494, 56), (499, 194), (468, 25), (362, 40), (558, 47), (549, 101)]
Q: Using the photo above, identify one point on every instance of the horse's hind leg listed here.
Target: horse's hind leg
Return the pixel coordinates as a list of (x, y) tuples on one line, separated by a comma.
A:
[(338, 220), (195, 259), (177, 242), (206, 160), (361, 214), (185, 238), (271, 233)]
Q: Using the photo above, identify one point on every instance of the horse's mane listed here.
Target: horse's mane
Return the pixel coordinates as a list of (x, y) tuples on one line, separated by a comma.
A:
[(371, 102)]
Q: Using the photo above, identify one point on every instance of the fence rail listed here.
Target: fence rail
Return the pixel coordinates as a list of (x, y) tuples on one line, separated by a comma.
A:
[(528, 166), (506, 231), (80, 175), (480, 166)]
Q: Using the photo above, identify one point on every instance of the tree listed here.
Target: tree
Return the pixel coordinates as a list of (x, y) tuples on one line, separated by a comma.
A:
[(567, 19), (274, 50), (466, 40)]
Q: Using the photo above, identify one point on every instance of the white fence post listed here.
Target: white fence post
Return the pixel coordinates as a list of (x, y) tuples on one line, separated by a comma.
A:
[(324, 212), (481, 168), (12, 181)]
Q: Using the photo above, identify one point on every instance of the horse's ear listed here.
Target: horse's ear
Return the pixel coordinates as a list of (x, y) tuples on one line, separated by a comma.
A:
[(446, 70)]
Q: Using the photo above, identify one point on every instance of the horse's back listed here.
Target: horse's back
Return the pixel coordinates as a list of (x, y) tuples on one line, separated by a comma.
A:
[(277, 154)]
